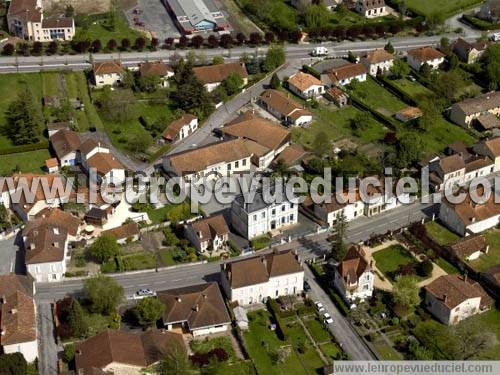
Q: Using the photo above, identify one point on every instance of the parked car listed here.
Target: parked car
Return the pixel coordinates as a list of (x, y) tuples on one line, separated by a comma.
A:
[(319, 306), (327, 318), (141, 293), (307, 287)]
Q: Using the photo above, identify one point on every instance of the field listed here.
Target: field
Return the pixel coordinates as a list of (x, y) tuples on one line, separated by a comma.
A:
[(375, 96), (31, 161), (491, 259), (413, 89), (489, 322), (445, 7), (389, 260), (440, 234), (336, 124)]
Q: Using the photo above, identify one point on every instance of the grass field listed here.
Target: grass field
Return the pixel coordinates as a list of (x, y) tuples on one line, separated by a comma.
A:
[(377, 97), (390, 259), (31, 161), (489, 322), (446, 7), (172, 212), (261, 341), (206, 344), (440, 234), (336, 124), (491, 259), (98, 29), (413, 89)]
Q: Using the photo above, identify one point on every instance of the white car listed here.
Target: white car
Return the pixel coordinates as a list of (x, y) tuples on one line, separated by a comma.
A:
[(142, 293), (319, 306), (327, 318)]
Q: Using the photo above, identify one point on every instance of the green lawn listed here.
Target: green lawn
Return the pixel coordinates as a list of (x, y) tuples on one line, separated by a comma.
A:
[(40, 84), (445, 7), (205, 345), (489, 322), (491, 259), (166, 257), (261, 341), (170, 212), (440, 234), (97, 323), (99, 29), (76, 86), (31, 161), (412, 88), (331, 350), (446, 266), (388, 260), (387, 352), (261, 242), (317, 330), (377, 97), (336, 124)]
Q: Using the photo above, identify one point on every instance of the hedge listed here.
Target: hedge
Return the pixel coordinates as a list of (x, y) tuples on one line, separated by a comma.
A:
[(311, 71), (280, 325), (25, 148), (479, 23)]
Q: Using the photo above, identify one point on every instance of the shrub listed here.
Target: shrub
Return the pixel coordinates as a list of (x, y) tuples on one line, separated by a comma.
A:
[(424, 268), (69, 353)]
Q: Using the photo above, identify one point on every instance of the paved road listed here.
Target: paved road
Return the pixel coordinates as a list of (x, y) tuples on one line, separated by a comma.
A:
[(47, 347), (82, 61), (340, 328)]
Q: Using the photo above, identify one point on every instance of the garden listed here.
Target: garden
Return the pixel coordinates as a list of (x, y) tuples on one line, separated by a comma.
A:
[(440, 234), (492, 258)]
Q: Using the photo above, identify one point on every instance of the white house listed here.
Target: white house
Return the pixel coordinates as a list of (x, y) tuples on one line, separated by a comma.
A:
[(351, 208), (345, 74), (372, 8), (446, 171), (465, 112), (181, 128), (107, 167), (271, 137), (46, 242), (470, 217), (470, 247), (211, 161), (453, 298), (213, 75), (377, 61), (108, 73), (66, 144), (354, 277), (284, 108), (25, 20), (18, 323), (198, 309), (425, 55), (305, 85), (255, 217), (209, 234), (254, 280), (91, 147)]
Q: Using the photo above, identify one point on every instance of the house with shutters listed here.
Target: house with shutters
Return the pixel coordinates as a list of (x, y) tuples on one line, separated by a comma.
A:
[(255, 279), (371, 8), (284, 108), (453, 298), (107, 73), (180, 128), (354, 276), (209, 234), (378, 61), (213, 75), (305, 85), (425, 55)]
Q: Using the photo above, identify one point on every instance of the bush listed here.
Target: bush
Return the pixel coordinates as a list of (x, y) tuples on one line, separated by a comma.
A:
[(69, 353), (424, 268)]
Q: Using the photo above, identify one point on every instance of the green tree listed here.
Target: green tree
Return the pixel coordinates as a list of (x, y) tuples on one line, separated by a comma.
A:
[(140, 142), (218, 60), (148, 311), (76, 319), (103, 293), (449, 85), (400, 69), (431, 112), (409, 148), (316, 16), (148, 82), (389, 48), (69, 353), (118, 105), (113, 15), (321, 143), (65, 112), (444, 45), (435, 20), (4, 217), (275, 82), (426, 70), (361, 122), (232, 84), (176, 360), (24, 118), (339, 247), (471, 340), (105, 248), (13, 364), (491, 64), (406, 292), (275, 57), (424, 268), (128, 80), (351, 57)]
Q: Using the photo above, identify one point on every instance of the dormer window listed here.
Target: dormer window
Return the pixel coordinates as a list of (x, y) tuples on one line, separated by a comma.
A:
[(56, 230)]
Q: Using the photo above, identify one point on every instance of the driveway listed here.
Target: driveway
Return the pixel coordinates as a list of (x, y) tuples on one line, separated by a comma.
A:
[(47, 347), (11, 257), (341, 329)]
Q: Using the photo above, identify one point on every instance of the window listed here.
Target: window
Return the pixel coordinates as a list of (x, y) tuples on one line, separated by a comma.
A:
[(254, 217), (283, 208), (229, 167), (291, 205), (273, 212), (263, 214), (291, 217), (244, 162), (236, 164)]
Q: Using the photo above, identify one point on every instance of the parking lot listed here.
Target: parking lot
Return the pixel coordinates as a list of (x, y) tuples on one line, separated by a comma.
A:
[(155, 18)]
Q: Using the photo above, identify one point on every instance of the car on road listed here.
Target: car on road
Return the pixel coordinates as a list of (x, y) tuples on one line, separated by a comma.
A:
[(307, 287), (141, 293), (327, 318), (319, 306)]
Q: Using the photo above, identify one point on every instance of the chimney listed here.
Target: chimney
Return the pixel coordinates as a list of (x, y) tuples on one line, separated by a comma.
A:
[(178, 299), (4, 299), (196, 308), (264, 261), (445, 298), (13, 311), (465, 277), (79, 351), (204, 296)]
